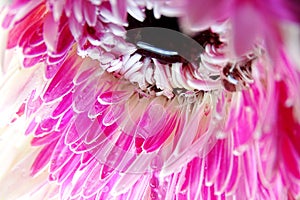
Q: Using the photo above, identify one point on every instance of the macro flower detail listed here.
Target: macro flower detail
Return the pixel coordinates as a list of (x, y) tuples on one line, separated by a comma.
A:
[(149, 100)]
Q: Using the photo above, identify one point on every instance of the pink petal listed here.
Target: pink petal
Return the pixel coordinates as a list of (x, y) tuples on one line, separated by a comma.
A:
[(152, 121), (62, 82), (60, 156), (84, 95), (30, 62), (35, 51), (65, 41), (69, 169), (15, 34), (93, 183), (226, 167), (51, 70), (75, 28), (89, 11), (245, 31), (113, 114), (78, 11), (113, 97), (250, 173), (212, 163), (43, 158), (63, 105), (58, 7), (50, 32), (77, 188), (44, 140), (46, 126), (153, 143), (200, 14), (119, 8), (72, 135)]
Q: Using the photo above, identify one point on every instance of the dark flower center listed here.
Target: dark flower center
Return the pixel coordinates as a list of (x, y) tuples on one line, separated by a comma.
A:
[(167, 46), (162, 40)]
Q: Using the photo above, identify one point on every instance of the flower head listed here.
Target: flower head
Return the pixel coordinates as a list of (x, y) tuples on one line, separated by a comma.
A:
[(150, 99)]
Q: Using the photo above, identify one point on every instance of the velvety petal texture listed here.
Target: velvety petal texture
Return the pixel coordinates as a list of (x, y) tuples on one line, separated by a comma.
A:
[(86, 114)]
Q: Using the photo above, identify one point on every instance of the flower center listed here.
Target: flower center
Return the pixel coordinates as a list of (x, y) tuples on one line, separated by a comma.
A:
[(164, 40), (160, 60)]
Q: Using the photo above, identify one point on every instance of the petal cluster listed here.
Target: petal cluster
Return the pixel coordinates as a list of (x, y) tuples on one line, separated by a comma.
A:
[(85, 128)]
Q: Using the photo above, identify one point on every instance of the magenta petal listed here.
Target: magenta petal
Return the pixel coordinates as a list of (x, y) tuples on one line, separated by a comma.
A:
[(58, 7), (31, 127), (118, 158), (56, 60), (33, 104), (235, 175), (30, 30), (79, 147), (250, 173), (152, 121), (51, 70), (44, 140), (77, 188), (50, 32), (75, 28), (35, 51), (72, 136), (94, 132), (63, 106), (124, 141), (30, 62), (8, 20), (93, 183), (15, 34), (65, 189), (114, 113), (43, 158), (78, 10), (226, 167), (97, 109), (84, 75), (45, 126), (69, 169), (65, 120), (106, 172), (202, 13), (195, 178), (244, 30), (212, 162), (62, 82), (113, 97), (26, 27), (65, 41), (120, 9), (244, 130), (153, 143), (86, 158), (89, 11), (291, 158)]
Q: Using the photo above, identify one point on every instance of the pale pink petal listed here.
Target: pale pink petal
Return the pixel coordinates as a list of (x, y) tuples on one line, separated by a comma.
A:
[(89, 11), (50, 31), (245, 31)]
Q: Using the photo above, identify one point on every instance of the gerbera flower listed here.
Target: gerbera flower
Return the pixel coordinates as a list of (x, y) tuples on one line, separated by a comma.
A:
[(150, 100)]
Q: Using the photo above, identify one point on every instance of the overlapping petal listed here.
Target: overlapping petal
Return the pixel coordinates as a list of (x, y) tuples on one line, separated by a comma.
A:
[(92, 132)]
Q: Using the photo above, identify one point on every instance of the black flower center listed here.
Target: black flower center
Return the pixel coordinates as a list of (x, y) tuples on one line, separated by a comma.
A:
[(165, 42)]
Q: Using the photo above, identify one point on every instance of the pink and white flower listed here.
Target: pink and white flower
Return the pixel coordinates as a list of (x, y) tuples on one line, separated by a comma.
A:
[(87, 114)]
